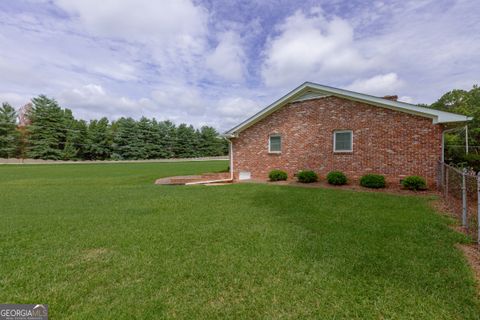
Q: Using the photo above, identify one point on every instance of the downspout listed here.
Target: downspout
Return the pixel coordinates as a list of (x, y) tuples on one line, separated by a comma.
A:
[(207, 182), (230, 151)]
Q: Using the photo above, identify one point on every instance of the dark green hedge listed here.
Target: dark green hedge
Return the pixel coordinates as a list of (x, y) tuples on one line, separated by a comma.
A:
[(277, 175), (414, 183), (375, 181), (336, 178), (307, 176)]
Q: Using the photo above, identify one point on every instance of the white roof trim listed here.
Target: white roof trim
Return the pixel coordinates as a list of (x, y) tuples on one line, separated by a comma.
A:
[(310, 96), (310, 90)]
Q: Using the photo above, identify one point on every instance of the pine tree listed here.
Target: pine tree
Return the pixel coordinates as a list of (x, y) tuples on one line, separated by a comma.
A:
[(8, 133), (186, 144), (47, 130), (99, 140), (72, 145), (143, 142), (126, 140), (211, 144), (167, 139), (153, 144)]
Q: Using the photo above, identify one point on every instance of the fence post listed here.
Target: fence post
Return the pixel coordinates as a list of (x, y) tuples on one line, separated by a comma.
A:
[(478, 207), (464, 198)]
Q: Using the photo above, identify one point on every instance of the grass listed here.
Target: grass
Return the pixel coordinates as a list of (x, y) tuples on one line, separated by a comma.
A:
[(101, 241)]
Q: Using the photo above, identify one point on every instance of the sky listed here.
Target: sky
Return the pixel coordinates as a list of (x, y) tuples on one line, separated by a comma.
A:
[(209, 62)]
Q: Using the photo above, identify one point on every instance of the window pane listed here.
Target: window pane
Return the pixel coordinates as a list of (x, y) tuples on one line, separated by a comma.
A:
[(275, 143), (343, 141)]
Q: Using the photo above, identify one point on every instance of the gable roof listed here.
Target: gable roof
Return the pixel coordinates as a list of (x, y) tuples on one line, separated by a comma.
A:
[(310, 90)]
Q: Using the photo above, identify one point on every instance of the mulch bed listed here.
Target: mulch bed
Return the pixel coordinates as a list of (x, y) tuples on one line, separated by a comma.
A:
[(390, 189)]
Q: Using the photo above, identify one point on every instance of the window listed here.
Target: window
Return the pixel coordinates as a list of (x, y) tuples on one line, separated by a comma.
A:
[(275, 144), (343, 141)]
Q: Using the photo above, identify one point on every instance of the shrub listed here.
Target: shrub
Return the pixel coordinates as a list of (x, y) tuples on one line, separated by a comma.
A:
[(414, 183), (375, 181), (336, 178), (277, 175), (307, 176)]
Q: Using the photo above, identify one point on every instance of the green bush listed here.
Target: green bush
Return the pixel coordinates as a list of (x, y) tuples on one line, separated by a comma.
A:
[(307, 176), (375, 181), (414, 183), (277, 175), (336, 178)]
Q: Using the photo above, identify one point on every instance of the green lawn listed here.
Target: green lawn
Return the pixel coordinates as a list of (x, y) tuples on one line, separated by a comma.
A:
[(101, 241)]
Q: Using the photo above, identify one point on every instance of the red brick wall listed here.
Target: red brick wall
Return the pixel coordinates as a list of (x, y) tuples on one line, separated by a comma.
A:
[(387, 142)]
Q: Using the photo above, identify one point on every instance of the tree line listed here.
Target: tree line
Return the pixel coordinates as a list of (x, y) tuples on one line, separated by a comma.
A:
[(466, 102), (45, 130)]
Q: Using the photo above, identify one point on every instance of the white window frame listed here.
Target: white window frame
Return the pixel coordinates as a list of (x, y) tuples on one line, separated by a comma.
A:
[(335, 141), (269, 146)]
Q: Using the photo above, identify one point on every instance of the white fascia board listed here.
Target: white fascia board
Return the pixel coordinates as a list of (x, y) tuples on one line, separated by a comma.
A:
[(265, 112), (309, 95), (437, 116)]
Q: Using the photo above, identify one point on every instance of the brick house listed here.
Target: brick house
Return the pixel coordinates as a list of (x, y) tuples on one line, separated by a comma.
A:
[(322, 128)]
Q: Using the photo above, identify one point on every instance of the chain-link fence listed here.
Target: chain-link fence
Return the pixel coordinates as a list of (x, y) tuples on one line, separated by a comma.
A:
[(460, 188), (462, 148)]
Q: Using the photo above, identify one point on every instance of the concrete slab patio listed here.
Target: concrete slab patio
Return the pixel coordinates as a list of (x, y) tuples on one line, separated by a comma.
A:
[(200, 179)]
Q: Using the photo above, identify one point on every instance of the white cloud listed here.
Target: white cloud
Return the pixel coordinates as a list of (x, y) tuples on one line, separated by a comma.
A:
[(311, 47), (93, 101), (380, 85), (232, 110), (191, 105), (117, 70), (406, 99), (228, 59), (432, 45), (35, 64), (170, 34), (178, 20), (180, 99), (176, 59), (14, 99), (237, 107)]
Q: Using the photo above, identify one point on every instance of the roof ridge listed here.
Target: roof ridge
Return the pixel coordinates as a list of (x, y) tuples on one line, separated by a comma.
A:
[(437, 116)]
